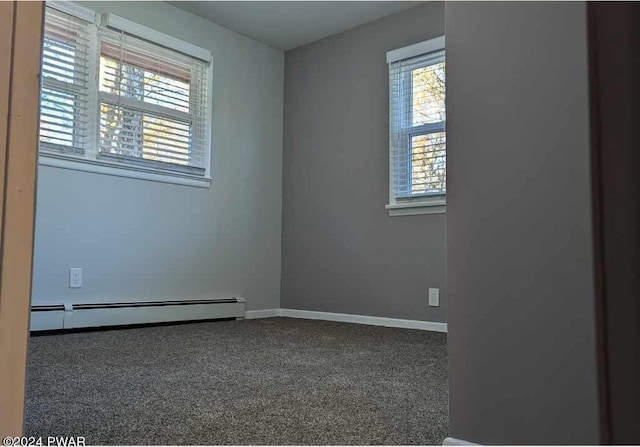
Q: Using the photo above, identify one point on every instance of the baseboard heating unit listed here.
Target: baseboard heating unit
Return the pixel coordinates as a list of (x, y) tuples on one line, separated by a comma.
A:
[(74, 316)]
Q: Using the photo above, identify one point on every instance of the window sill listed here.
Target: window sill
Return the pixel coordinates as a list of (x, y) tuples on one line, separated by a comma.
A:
[(106, 168), (438, 206)]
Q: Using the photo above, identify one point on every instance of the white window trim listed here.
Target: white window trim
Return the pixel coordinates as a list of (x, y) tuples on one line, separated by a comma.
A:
[(432, 206), (122, 170), (417, 205), (417, 49), (75, 10)]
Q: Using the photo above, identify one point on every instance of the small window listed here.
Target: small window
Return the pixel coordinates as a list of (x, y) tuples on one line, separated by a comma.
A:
[(117, 101), (65, 76), (417, 129)]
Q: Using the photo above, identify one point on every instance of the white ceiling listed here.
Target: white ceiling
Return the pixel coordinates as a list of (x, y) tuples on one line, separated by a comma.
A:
[(290, 24)]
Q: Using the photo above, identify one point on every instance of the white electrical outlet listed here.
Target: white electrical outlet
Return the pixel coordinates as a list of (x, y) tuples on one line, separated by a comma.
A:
[(434, 297), (75, 278)]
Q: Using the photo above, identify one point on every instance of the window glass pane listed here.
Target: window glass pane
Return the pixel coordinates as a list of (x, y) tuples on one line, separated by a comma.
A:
[(57, 117), (428, 163), (120, 130), (166, 140), (58, 60), (428, 92), (143, 135), (63, 94), (139, 83)]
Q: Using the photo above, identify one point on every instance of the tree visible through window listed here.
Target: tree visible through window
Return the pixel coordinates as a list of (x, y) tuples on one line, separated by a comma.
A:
[(428, 156)]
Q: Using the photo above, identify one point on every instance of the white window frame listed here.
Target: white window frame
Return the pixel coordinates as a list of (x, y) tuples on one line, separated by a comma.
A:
[(92, 163), (74, 88), (424, 204)]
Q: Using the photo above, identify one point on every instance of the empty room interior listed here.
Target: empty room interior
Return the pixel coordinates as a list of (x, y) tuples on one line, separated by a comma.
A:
[(257, 223)]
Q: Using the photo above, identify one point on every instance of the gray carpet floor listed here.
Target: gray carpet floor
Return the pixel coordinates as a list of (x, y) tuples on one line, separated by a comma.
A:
[(277, 381)]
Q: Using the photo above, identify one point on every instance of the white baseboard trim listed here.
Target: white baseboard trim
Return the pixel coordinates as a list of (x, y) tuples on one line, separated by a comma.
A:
[(362, 319), (266, 313), (455, 441)]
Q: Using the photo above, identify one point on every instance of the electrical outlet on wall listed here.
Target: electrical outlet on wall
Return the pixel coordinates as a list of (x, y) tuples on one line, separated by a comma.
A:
[(75, 278), (434, 297)]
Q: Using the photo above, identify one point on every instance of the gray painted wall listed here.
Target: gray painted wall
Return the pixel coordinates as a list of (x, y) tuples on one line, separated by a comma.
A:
[(140, 240), (341, 250), (519, 249)]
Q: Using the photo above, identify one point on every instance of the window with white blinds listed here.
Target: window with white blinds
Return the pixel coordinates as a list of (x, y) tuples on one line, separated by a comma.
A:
[(64, 95), (116, 99), (151, 105), (417, 128)]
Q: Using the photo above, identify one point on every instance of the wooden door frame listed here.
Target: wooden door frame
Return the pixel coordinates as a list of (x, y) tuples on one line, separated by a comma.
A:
[(21, 25)]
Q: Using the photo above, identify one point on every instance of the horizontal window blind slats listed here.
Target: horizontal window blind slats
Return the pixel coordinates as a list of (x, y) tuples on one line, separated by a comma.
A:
[(180, 132), (150, 153), (113, 115), (144, 132), (133, 131), (73, 33), (117, 68), (52, 131), (149, 108), (160, 139), (71, 80), (63, 68), (58, 140), (417, 122), (424, 157), (57, 119), (141, 106), (61, 87), (174, 131), (155, 164), (112, 78), (57, 53), (53, 109), (159, 161), (145, 53), (113, 68), (65, 54), (55, 127), (64, 95), (163, 151), (151, 98)]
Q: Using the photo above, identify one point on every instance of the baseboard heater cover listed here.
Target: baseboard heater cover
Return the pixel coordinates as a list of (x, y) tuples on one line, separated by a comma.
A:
[(74, 316)]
